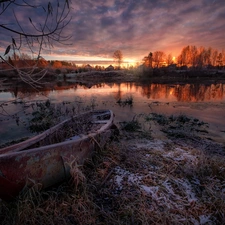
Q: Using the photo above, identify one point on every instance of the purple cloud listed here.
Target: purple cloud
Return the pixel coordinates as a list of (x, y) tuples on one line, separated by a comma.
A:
[(98, 28)]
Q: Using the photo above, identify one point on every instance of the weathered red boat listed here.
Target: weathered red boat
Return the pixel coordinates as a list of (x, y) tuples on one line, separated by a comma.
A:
[(45, 158)]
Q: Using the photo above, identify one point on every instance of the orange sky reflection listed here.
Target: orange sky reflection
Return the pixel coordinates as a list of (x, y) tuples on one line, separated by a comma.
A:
[(153, 92)]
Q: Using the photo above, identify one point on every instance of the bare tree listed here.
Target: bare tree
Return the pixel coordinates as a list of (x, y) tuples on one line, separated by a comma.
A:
[(34, 36), (118, 57), (169, 60), (214, 57), (158, 58), (207, 56), (148, 60), (193, 55), (223, 59), (186, 56), (220, 59)]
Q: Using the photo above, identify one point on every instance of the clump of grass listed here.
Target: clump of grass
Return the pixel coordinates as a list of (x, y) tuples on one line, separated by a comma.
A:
[(179, 126), (128, 101), (159, 118), (47, 114), (136, 127), (130, 126), (155, 183), (44, 117), (78, 179)]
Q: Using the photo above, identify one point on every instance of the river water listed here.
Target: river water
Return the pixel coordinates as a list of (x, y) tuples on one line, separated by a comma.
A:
[(205, 102)]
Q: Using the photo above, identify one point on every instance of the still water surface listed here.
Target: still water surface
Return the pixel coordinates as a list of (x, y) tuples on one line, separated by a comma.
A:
[(205, 102)]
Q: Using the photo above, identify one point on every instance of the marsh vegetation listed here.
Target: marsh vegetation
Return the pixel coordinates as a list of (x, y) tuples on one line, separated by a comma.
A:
[(164, 167), (136, 179)]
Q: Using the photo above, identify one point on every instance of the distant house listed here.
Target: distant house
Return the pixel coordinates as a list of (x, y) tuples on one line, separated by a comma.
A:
[(88, 67), (109, 68)]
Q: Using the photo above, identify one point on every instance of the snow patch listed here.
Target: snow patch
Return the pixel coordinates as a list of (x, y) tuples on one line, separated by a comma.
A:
[(122, 175), (156, 145), (187, 188), (178, 154), (205, 219), (153, 190)]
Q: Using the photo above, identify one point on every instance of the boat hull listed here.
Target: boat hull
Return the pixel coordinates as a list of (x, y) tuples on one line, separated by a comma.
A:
[(47, 165)]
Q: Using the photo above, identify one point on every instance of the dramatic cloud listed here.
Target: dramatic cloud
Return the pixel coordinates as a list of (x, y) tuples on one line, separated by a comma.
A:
[(100, 27)]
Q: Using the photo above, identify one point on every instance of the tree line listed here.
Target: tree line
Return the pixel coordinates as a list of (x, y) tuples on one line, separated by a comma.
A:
[(24, 60), (190, 56)]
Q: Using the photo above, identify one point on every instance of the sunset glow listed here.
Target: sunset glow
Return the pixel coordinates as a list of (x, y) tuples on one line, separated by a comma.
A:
[(98, 28), (112, 112)]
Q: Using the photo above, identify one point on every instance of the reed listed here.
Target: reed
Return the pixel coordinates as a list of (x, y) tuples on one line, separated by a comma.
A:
[(139, 180), (128, 101)]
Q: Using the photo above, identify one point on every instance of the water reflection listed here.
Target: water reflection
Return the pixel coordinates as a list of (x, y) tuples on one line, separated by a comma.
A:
[(187, 98), (160, 92), (186, 92)]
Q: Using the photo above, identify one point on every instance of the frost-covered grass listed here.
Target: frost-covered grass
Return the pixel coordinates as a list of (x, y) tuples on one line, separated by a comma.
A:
[(136, 179), (171, 184)]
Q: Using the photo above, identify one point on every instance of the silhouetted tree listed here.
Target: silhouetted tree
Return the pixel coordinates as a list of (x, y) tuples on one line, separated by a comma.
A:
[(193, 56), (118, 57), (57, 64), (169, 60), (148, 60), (220, 59), (223, 57), (158, 58), (214, 57)]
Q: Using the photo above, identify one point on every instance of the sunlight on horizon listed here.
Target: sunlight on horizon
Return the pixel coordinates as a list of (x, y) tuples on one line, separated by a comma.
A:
[(92, 60)]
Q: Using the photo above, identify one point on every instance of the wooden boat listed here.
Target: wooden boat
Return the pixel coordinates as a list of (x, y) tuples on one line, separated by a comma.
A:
[(45, 158)]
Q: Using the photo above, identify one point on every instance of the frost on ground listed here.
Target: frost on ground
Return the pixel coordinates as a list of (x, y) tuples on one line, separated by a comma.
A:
[(184, 183)]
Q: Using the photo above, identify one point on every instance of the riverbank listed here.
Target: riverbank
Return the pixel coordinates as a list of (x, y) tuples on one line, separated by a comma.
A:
[(163, 74), (161, 169), (158, 170)]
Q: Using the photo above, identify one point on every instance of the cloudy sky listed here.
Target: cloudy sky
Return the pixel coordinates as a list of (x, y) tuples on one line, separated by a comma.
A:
[(135, 27)]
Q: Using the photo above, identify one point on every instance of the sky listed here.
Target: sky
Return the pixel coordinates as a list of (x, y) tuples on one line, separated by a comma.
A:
[(136, 27)]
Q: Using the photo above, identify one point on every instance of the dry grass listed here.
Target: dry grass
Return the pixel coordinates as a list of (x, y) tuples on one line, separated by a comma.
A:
[(136, 180)]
